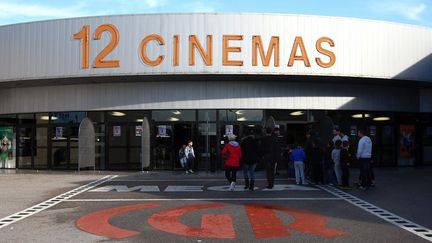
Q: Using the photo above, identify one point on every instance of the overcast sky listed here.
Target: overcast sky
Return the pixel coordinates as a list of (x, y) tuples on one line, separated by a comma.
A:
[(418, 12)]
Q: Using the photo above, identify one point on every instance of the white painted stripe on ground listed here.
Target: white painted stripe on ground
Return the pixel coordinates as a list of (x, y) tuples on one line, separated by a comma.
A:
[(51, 202), (392, 218), (205, 199)]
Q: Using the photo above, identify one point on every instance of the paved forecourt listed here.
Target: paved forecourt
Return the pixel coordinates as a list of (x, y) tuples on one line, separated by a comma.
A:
[(185, 208)]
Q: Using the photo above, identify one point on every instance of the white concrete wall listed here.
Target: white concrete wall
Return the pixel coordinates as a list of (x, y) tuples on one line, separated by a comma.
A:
[(257, 94), (363, 48)]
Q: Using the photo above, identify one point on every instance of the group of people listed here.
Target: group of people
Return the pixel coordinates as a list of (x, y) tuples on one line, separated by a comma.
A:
[(249, 152), (329, 165), (187, 156)]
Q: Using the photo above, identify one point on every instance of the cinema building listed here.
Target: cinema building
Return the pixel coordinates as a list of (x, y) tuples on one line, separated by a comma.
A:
[(202, 76)]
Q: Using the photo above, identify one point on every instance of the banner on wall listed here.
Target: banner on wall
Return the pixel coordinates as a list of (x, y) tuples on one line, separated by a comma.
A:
[(407, 149), (7, 147)]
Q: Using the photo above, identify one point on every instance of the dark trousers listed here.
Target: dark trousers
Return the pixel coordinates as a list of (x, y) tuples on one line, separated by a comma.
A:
[(231, 173), (345, 176), (270, 170), (365, 171), (190, 164)]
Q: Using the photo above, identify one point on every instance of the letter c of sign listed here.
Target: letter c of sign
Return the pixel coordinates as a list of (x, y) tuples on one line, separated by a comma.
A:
[(97, 223)]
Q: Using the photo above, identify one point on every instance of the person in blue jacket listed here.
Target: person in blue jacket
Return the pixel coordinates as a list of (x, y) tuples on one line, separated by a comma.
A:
[(298, 157)]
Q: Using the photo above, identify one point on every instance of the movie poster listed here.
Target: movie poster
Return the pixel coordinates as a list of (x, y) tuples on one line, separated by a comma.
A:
[(7, 147), (407, 147)]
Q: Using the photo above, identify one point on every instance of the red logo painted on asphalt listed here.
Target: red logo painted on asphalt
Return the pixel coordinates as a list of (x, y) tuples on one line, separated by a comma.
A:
[(265, 223)]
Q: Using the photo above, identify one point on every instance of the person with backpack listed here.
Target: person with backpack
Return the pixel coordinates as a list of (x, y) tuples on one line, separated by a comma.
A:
[(190, 155), (182, 158)]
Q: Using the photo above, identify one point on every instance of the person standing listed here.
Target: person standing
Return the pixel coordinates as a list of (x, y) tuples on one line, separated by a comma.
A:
[(232, 153), (298, 156), (250, 158), (269, 151), (345, 158), (329, 177), (316, 160), (307, 149), (190, 154), (364, 156), (183, 158), (336, 161), (278, 150)]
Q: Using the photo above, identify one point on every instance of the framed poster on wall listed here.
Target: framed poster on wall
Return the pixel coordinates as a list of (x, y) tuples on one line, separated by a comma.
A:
[(407, 146), (116, 131), (7, 148)]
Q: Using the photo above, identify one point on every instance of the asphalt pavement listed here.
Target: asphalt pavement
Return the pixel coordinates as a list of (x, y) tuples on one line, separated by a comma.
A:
[(177, 207)]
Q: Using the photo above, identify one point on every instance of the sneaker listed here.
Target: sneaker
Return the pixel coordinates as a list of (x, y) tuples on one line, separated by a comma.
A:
[(361, 188), (191, 171), (187, 172), (232, 186), (298, 183)]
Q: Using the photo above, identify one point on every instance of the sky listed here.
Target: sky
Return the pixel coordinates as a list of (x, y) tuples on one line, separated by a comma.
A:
[(417, 12)]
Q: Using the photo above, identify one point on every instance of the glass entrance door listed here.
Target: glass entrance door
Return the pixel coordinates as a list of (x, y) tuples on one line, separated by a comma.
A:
[(163, 149)]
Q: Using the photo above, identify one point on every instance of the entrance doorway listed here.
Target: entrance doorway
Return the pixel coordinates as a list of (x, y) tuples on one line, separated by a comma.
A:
[(182, 134), (168, 141), (295, 133)]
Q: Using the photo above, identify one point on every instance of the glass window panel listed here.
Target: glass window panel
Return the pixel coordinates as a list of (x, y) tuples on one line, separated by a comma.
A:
[(59, 157), (67, 117), (135, 135), (42, 118), (73, 133), (41, 136), (174, 115), (40, 158), (97, 116), (100, 146), (207, 129), (207, 115), (240, 115), (126, 116), (73, 157), (7, 119), (26, 118), (117, 156), (24, 157), (25, 137), (135, 155)]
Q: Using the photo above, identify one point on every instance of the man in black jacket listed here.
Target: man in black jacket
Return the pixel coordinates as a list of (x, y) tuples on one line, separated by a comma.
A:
[(269, 150), (250, 158)]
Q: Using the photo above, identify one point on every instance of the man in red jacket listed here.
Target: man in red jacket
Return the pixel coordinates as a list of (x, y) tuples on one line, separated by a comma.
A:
[(232, 154)]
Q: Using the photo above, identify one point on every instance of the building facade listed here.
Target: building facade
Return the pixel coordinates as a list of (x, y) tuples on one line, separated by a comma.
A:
[(200, 76)]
